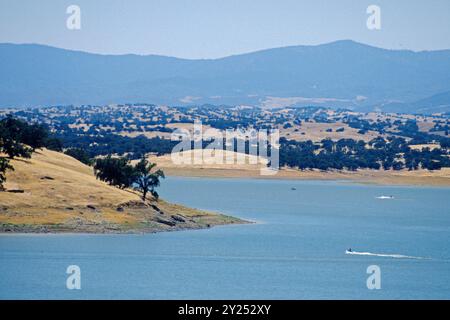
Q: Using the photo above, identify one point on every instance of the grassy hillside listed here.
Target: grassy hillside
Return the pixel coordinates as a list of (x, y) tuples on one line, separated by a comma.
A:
[(54, 192)]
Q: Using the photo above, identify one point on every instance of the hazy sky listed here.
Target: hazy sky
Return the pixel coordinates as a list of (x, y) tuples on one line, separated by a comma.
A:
[(213, 28)]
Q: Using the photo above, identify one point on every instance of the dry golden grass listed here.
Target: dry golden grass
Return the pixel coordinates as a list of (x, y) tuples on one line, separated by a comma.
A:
[(210, 159), (208, 132), (61, 192), (425, 126), (318, 131), (51, 179), (85, 127), (423, 146)]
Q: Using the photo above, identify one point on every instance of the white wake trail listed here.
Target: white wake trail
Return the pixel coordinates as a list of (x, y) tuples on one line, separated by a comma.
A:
[(397, 256)]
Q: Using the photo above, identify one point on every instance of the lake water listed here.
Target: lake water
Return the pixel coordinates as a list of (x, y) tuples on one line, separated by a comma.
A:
[(296, 250)]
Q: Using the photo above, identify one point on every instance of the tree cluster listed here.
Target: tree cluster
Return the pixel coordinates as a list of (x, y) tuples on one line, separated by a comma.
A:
[(20, 139), (120, 173), (392, 153)]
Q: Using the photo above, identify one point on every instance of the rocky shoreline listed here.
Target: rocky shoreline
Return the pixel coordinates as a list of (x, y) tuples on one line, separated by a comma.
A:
[(151, 219)]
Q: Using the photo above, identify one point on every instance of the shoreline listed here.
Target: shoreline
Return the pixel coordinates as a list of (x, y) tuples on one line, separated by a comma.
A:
[(136, 232), (250, 168), (424, 178), (36, 230), (167, 217), (200, 221)]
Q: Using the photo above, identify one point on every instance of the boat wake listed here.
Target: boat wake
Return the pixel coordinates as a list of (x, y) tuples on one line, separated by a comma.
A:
[(397, 256), (385, 197)]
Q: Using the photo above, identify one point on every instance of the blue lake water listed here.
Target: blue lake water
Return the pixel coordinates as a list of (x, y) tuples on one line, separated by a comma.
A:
[(296, 250)]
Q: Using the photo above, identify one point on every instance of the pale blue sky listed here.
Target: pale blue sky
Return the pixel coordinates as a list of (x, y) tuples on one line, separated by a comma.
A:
[(213, 28)]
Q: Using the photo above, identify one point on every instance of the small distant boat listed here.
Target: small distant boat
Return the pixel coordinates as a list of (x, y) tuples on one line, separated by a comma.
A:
[(293, 188), (385, 197)]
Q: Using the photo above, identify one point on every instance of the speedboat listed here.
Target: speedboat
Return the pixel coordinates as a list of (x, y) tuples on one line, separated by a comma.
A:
[(385, 197)]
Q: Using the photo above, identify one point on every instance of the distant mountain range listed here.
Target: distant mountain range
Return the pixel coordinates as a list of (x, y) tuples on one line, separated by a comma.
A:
[(338, 74), (438, 103)]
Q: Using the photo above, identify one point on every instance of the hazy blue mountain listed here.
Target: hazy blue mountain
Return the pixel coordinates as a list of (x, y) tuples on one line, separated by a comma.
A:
[(340, 71), (437, 103)]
